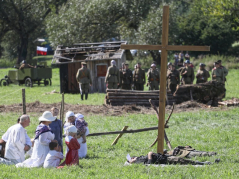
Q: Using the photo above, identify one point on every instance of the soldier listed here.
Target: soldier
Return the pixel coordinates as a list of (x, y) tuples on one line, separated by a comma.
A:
[(187, 73), (218, 73), (202, 74), (25, 65), (173, 79), (112, 78), (139, 78), (83, 77), (153, 78), (121, 75), (224, 69), (127, 77)]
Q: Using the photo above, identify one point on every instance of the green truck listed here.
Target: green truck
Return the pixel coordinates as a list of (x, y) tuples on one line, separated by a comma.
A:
[(40, 74)]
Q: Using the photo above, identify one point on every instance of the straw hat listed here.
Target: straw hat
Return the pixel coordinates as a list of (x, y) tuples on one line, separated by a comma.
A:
[(47, 116)]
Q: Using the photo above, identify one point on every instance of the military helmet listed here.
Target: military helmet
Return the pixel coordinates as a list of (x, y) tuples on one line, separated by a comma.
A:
[(24, 61), (216, 63), (169, 63), (187, 62), (219, 61), (202, 64)]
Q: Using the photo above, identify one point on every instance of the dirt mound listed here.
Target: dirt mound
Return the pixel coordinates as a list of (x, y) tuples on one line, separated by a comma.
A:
[(38, 107)]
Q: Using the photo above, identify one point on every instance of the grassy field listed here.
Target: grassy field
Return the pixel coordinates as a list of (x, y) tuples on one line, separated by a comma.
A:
[(12, 94), (204, 130), (209, 131)]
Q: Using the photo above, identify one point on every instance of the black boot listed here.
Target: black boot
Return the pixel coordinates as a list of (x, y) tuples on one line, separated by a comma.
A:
[(86, 96), (82, 96)]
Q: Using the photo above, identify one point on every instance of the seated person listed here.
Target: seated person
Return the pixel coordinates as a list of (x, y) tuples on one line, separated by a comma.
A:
[(25, 65), (54, 156)]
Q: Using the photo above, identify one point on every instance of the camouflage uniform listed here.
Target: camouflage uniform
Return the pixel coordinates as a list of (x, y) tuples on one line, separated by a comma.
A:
[(112, 77), (83, 77), (220, 77), (202, 76), (126, 79), (139, 79), (189, 76), (173, 79), (153, 79)]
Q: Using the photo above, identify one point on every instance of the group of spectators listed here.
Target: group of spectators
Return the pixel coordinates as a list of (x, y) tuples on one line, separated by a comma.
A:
[(46, 148)]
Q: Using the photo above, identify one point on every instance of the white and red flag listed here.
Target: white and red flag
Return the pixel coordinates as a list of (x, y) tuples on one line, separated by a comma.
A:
[(41, 50)]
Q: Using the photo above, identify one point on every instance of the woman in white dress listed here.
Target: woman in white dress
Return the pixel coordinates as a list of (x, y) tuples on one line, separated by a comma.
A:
[(42, 139), (71, 119)]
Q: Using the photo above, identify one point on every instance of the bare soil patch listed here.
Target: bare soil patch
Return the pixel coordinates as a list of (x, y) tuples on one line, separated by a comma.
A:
[(108, 110)]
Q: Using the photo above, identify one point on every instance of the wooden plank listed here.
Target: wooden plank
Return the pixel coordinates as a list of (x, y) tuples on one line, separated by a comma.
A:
[(141, 47), (187, 48), (163, 91), (130, 91), (120, 135)]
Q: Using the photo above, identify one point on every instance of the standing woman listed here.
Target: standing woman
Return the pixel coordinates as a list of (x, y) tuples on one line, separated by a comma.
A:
[(41, 142)]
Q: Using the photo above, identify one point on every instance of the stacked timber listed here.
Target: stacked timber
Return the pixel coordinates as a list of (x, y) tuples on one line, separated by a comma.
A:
[(117, 97), (202, 92)]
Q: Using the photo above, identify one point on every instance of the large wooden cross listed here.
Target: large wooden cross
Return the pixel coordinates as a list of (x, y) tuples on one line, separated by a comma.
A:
[(164, 53)]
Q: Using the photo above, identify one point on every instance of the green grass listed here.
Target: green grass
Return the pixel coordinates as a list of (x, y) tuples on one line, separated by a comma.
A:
[(12, 94), (210, 131)]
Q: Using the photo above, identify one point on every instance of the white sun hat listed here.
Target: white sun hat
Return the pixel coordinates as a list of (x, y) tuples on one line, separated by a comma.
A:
[(69, 114), (47, 116), (79, 116)]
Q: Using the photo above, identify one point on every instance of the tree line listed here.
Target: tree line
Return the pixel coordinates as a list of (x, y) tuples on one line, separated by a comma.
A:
[(192, 22)]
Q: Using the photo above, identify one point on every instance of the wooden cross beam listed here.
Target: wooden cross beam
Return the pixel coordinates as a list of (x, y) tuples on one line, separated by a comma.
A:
[(164, 53)]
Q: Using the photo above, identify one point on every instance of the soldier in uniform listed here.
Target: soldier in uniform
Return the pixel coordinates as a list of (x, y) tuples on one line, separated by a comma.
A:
[(224, 69), (202, 74), (25, 65), (127, 77), (173, 78), (139, 78), (153, 78), (83, 77), (112, 78), (187, 73), (218, 73)]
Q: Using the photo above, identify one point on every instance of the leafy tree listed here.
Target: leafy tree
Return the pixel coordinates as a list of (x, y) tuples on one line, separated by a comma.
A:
[(23, 18)]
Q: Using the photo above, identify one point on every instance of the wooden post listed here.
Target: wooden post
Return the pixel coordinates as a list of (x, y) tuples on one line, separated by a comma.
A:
[(23, 101), (162, 92), (120, 135), (62, 110)]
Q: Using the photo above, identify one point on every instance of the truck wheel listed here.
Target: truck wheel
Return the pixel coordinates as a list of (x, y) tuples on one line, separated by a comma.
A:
[(47, 82), (28, 82), (3, 82)]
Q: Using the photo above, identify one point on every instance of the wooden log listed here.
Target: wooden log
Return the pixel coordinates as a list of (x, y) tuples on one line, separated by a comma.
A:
[(23, 102), (134, 97), (123, 132), (131, 94), (119, 136), (131, 91)]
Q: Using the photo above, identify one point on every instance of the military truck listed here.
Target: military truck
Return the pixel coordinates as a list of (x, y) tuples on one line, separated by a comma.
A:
[(40, 74)]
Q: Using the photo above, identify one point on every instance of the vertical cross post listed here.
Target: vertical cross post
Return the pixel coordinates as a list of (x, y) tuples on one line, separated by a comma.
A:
[(162, 92)]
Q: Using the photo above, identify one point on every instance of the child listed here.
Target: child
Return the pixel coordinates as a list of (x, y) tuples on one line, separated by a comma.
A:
[(81, 125), (72, 157), (54, 156)]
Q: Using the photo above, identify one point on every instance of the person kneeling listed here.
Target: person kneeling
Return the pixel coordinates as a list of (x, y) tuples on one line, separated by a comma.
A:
[(54, 156)]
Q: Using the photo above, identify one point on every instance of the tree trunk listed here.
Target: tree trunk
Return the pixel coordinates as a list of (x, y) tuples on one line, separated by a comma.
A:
[(22, 49), (156, 56)]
